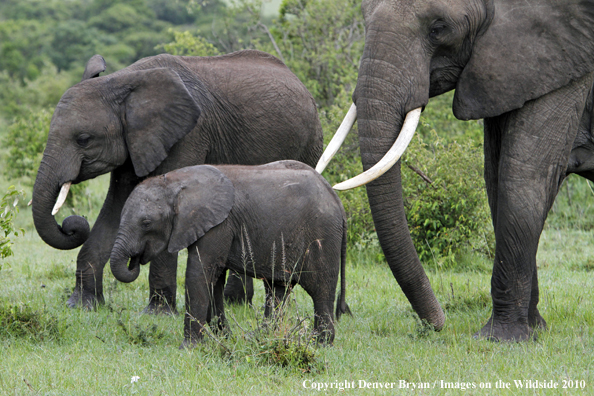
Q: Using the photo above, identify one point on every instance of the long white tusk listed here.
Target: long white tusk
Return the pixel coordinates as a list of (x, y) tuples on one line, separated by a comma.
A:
[(392, 156), (338, 138), (61, 198)]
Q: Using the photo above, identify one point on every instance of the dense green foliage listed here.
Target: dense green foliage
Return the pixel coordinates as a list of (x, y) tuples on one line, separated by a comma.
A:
[(8, 210), (447, 210)]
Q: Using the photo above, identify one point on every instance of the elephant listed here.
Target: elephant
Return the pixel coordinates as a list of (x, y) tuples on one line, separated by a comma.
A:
[(280, 222), (526, 69), (159, 114)]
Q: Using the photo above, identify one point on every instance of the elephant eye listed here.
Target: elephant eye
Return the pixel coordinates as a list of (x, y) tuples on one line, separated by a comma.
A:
[(83, 140), (437, 30), (146, 223)]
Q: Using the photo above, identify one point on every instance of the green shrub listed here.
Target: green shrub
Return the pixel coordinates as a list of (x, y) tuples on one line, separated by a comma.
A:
[(26, 141), (8, 210), (186, 44), (447, 211)]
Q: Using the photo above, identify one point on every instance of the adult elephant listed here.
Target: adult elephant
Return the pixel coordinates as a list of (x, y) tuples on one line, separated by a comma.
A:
[(526, 68), (159, 114)]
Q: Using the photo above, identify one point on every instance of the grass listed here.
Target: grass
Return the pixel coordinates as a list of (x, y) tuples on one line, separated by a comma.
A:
[(99, 352), (48, 349)]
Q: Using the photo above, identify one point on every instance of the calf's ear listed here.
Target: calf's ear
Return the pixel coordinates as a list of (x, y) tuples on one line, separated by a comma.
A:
[(205, 197)]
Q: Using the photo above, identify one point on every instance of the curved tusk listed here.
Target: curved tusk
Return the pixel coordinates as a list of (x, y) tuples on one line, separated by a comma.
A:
[(338, 138), (392, 156), (61, 198)]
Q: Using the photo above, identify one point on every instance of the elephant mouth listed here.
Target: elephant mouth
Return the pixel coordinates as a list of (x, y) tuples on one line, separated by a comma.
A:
[(134, 261)]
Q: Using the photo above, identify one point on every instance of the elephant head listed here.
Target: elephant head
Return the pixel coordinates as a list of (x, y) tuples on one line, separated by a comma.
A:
[(497, 54), (97, 126), (170, 212)]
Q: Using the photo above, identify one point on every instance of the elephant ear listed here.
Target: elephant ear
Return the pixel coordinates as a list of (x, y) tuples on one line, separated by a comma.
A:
[(95, 66), (204, 199), (158, 112), (531, 48)]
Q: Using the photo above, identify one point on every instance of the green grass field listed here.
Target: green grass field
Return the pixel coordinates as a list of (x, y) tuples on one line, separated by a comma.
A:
[(73, 352)]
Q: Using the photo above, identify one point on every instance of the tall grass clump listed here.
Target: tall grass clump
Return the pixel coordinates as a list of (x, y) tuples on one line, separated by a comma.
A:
[(21, 321), (286, 339)]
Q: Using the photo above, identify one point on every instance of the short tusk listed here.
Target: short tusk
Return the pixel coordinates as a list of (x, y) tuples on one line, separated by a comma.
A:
[(392, 156), (338, 138), (30, 202), (61, 198)]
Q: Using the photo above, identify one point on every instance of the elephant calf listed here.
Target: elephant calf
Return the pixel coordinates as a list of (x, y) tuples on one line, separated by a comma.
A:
[(280, 222)]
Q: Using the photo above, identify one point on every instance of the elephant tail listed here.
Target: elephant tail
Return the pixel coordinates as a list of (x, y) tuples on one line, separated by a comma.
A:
[(341, 305)]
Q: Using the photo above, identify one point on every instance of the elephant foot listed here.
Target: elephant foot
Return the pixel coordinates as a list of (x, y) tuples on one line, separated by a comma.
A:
[(188, 344), (510, 332), (161, 302), (85, 300), (156, 308), (537, 322)]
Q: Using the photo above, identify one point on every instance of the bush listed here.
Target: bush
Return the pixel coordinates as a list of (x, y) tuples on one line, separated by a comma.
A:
[(447, 210), (8, 210), (186, 44), (26, 141)]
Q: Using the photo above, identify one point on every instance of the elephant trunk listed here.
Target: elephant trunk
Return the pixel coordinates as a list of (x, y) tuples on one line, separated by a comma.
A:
[(74, 230), (119, 263), (386, 91)]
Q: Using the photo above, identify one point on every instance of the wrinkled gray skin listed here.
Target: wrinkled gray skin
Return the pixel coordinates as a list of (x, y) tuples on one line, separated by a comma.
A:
[(160, 114), (526, 68), (280, 222)]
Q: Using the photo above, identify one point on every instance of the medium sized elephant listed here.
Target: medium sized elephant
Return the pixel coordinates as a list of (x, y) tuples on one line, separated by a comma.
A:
[(280, 222)]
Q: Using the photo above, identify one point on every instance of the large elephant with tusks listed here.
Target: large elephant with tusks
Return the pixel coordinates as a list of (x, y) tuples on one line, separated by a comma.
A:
[(527, 69)]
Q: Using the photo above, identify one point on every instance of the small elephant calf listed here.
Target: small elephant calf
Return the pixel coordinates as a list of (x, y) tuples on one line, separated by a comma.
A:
[(280, 222)]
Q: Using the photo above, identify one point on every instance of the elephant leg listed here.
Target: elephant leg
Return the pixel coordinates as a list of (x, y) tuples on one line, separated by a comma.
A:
[(535, 319), (205, 279), (163, 285), (492, 149), (217, 308), (324, 320), (535, 148), (239, 288), (88, 290), (276, 296), (197, 300), (493, 136)]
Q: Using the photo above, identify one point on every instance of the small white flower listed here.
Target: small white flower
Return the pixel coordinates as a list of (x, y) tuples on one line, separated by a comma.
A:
[(134, 379)]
